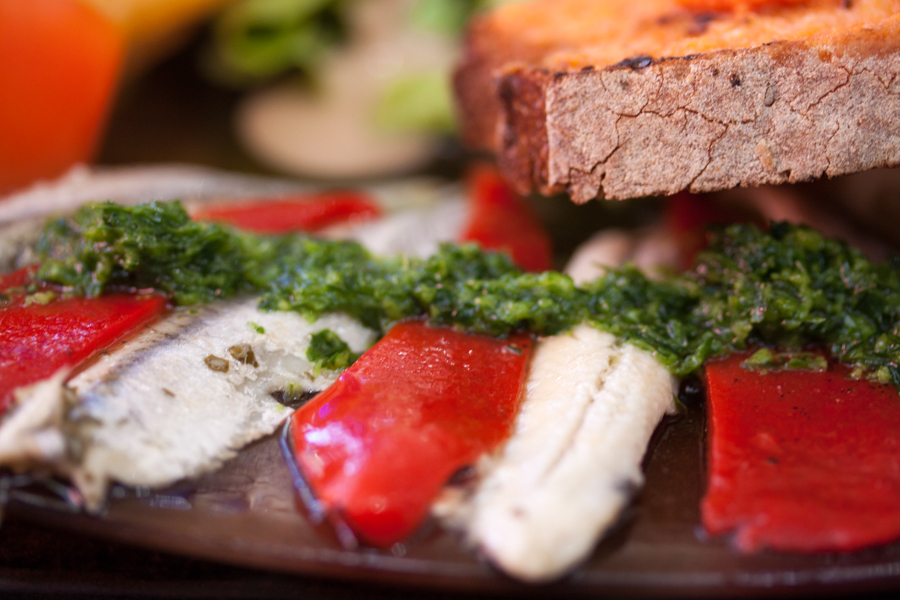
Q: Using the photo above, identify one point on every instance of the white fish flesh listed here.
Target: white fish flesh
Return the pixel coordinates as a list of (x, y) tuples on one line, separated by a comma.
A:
[(574, 458), (161, 406), (183, 396), (134, 185), (420, 213), (416, 232), (652, 250), (195, 186), (591, 405), (17, 242)]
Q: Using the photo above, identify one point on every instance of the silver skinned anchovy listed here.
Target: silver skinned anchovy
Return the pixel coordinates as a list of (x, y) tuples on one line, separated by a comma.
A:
[(185, 394), (542, 501), (178, 399)]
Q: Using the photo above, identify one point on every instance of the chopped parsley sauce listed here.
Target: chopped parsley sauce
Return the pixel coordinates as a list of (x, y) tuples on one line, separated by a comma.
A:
[(788, 287), (328, 351), (766, 360)]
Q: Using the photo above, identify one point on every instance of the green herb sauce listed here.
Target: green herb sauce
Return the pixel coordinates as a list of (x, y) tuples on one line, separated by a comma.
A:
[(149, 246), (328, 351), (789, 287), (462, 285), (766, 359), (40, 298)]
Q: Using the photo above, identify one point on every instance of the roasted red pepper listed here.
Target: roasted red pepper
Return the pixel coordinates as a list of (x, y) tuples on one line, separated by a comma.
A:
[(378, 445), (304, 212), (17, 278), (688, 217), (801, 460), (501, 220), (38, 339)]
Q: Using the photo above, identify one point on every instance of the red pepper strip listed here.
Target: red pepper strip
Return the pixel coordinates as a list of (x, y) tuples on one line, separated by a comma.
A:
[(377, 446), (688, 217), (39, 339), (16, 278), (802, 461), (306, 212), (502, 220)]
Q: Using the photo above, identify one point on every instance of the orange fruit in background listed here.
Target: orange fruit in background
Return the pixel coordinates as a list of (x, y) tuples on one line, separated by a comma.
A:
[(59, 65)]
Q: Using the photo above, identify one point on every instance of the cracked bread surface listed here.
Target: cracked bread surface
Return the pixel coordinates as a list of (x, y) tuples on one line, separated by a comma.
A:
[(600, 98)]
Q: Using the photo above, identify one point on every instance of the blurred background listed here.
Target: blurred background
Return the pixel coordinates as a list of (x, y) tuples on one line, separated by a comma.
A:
[(320, 89), (334, 92)]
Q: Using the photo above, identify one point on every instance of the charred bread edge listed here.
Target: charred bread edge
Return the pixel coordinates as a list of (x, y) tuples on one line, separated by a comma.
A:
[(787, 111)]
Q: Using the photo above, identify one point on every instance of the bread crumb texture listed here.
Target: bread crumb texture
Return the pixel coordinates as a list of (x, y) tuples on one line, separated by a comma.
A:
[(626, 99)]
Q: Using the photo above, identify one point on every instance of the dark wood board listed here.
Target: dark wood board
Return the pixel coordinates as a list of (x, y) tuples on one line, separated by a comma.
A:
[(247, 515)]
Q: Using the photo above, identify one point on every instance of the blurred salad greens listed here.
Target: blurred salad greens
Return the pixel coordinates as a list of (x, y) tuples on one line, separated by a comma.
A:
[(256, 41)]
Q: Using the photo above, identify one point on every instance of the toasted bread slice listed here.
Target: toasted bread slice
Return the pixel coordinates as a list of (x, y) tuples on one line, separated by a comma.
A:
[(625, 99)]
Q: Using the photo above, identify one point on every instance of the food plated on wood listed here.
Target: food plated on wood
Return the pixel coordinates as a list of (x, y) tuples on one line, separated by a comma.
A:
[(431, 370)]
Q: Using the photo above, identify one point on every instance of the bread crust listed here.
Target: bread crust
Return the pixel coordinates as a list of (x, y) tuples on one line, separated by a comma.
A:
[(783, 111)]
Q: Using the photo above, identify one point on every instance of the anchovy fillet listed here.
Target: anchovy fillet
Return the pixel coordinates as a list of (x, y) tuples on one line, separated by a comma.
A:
[(17, 242), (574, 458), (591, 405), (185, 394)]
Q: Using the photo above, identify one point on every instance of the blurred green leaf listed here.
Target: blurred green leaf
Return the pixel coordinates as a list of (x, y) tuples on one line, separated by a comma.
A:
[(421, 102)]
